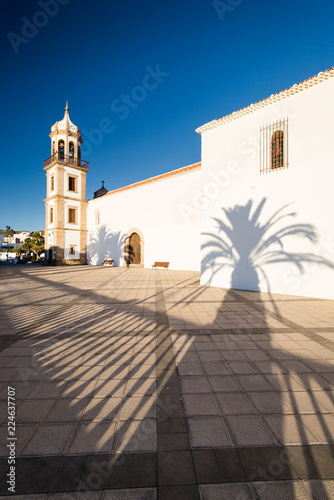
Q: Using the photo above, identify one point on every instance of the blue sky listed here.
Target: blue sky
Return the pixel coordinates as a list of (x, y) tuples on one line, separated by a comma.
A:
[(198, 61)]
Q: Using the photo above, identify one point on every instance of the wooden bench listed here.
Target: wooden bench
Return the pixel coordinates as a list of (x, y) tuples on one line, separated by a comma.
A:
[(161, 264), (108, 262)]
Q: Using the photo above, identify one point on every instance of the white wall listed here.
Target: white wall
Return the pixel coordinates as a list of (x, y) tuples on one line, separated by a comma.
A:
[(159, 211), (231, 161)]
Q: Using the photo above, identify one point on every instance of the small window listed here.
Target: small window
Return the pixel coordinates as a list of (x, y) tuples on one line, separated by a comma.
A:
[(52, 183), (72, 249), (97, 217), (51, 215), (71, 183), (72, 215), (277, 146), (274, 147)]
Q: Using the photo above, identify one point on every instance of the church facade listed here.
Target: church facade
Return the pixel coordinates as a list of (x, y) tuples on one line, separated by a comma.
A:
[(255, 214)]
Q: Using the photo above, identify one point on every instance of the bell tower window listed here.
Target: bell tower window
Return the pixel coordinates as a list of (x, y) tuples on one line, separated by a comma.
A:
[(71, 151), (61, 149)]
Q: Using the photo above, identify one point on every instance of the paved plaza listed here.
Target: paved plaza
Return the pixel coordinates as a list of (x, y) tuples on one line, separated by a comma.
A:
[(140, 384)]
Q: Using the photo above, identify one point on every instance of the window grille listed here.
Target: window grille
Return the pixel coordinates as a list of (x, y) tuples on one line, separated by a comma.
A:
[(71, 183), (71, 215), (274, 147)]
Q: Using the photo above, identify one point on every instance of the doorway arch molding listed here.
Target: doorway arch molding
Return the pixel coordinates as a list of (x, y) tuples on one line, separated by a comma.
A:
[(142, 242)]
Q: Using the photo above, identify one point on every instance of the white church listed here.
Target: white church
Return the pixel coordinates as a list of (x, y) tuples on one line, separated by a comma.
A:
[(257, 213)]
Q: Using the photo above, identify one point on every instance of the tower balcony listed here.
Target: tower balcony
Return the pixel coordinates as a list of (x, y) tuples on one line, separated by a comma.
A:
[(67, 160)]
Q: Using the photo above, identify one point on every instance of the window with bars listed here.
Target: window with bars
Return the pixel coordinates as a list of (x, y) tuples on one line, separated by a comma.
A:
[(72, 215), (71, 183), (274, 146)]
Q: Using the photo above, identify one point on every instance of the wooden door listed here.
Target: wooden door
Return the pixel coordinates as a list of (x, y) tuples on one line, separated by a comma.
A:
[(135, 248)]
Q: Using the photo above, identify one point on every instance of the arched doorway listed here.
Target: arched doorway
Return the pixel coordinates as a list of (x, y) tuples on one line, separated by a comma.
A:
[(135, 249)]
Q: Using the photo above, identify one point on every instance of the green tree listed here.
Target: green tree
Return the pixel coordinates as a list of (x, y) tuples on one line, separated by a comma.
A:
[(38, 244)]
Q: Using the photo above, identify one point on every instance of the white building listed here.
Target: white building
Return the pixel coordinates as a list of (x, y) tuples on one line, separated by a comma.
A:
[(255, 214)]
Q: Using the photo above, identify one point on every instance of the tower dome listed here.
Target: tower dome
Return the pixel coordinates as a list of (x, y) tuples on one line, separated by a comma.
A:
[(66, 138)]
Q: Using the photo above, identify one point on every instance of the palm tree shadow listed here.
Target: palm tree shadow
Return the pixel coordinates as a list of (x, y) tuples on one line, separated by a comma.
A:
[(291, 392), (104, 244), (242, 249), (245, 245)]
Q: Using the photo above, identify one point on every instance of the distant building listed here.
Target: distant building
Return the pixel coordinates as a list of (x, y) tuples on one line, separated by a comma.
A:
[(255, 214)]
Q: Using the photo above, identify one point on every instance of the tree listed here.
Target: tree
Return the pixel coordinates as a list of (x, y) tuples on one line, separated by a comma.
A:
[(9, 233), (34, 244), (38, 244)]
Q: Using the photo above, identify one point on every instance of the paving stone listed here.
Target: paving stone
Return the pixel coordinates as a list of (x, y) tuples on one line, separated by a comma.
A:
[(224, 383), (206, 466), (194, 385), (289, 429), (276, 490), (324, 460), (68, 474), (94, 437), (140, 387), (235, 403), (230, 465), (278, 465), (203, 405), (135, 494), (208, 432), (175, 467), (190, 368), (254, 383), (49, 439), (270, 402), (179, 492), (215, 368), (138, 407), (33, 410), (249, 430), (115, 371), (67, 410), (43, 475), (145, 470), (102, 409), (120, 471), (170, 442), (225, 491), (135, 435), (320, 489), (241, 367)]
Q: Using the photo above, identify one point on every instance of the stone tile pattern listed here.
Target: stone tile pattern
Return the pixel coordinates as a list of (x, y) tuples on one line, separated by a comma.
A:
[(149, 364)]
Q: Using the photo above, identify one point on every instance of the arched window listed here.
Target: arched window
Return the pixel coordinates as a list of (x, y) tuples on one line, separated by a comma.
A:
[(61, 150), (277, 146), (71, 151)]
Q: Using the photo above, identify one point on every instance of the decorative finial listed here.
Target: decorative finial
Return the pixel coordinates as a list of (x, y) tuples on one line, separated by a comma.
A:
[(66, 109), (103, 184)]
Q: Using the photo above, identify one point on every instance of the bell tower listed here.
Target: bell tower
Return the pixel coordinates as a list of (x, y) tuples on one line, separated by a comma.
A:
[(65, 203)]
